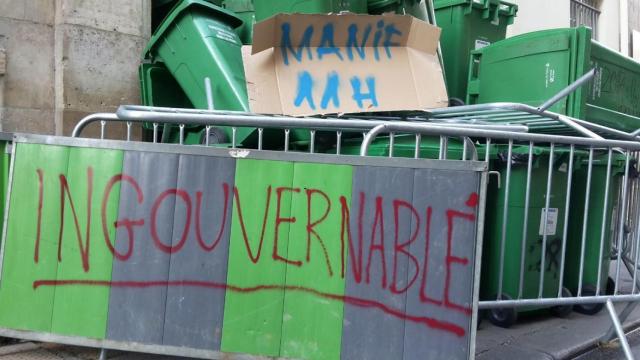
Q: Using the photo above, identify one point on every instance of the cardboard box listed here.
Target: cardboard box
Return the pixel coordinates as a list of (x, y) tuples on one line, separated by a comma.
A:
[(346, 63)]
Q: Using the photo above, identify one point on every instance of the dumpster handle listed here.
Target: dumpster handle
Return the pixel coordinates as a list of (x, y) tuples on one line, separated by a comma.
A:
[(498, 176), (568, 90)]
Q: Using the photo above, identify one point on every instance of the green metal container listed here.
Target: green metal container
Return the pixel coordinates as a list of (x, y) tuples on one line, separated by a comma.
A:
[(403, 146), (268, 8), (415, 8), (244, 10), (596, 213), (195, 41), (533, 67), (468, 25), (513, 245)]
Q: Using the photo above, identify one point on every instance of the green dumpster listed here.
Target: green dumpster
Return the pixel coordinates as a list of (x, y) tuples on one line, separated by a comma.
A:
[(468, 25), (596, 213), (403, 146), (533, 67), (267, 8), (535, 230), (415, 8), (195, 41), (245, 11)]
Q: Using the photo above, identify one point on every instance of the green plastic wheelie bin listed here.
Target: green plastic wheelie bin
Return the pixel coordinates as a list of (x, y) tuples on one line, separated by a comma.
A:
[(597, 250), (468, 25), (403, 146), (246, 12), (514, 246), (415, 8), (532, 67), (197, 40), (267, 8)]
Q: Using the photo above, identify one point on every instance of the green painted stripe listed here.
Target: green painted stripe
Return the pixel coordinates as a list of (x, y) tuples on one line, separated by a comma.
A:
[(253, 321), (312, 326), (22, 306), (82, 310)]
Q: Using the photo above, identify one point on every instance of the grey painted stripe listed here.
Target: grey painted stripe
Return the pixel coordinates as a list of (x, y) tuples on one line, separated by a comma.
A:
[(137, 314), (369, 333), (194, 314), (442, 190)]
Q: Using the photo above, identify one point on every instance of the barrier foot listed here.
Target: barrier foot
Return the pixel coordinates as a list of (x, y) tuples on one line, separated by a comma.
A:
[(103, 354), (617, 326)]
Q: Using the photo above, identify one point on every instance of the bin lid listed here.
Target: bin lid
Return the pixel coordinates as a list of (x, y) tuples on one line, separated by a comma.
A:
[(506, 8), (222, 14)]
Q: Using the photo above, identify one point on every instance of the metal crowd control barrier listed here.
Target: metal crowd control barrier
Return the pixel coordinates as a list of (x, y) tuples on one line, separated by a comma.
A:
[(595, 175)]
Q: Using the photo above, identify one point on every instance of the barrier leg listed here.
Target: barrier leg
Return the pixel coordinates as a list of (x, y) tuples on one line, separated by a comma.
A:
[(618, 328), (610, 335), (103, 354)]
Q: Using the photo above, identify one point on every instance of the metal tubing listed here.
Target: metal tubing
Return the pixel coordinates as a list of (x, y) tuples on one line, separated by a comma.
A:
[(619, 330), (568, 90), (465, 144), (565, 230), (391, 144), (234, 131), (505, 214), (103, 124), (260, 134), (206, 117), (555, 301), (526, 220), (429, 129), (624, 314), (546, 220), (155, 132), (487, 154), (445, 147), (585, 220), (338, 142), (603, 230), (622, 220), (93, 118), (312, 146), (286, 139), (209, 92), (416, 154), (181, 133), (207, 133), (128, 130)]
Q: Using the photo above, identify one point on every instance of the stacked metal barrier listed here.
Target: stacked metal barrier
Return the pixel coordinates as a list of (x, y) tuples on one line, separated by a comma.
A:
[(481, 138)]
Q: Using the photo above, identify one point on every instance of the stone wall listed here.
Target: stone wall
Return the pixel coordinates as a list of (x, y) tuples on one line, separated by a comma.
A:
[(68, 58)]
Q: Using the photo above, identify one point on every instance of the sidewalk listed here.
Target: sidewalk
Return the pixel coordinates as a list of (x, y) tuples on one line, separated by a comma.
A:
[(547, 337), (534, 338)]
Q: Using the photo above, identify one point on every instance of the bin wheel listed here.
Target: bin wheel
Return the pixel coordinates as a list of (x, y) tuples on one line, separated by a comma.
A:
[(588, 309), (503, 317), (611, 286), (562, 310), (456, 102), (216, 136)]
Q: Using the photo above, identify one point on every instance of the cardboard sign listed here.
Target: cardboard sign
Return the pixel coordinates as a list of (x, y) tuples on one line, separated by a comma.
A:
[(320, 64)]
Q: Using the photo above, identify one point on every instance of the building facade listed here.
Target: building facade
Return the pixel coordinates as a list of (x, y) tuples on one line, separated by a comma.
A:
[(63, 59)]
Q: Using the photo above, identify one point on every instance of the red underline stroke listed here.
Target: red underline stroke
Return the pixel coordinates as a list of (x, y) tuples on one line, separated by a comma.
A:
[(351, 300)]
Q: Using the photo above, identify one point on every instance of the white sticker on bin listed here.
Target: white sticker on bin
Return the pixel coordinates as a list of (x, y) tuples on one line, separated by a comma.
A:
[(552, 222), (481, 43)]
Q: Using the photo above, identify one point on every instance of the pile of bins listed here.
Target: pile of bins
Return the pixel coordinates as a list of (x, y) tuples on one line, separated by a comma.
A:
[(197, 39)]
